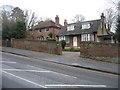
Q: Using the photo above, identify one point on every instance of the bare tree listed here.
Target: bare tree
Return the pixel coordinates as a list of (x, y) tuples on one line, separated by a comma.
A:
[(110, 17), (112, 14), (78, 18), (119, 8), (45, 19), (31, 18), (6, 11)]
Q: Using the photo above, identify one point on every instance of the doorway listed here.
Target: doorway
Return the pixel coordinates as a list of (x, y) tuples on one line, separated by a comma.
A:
[(75, 41)]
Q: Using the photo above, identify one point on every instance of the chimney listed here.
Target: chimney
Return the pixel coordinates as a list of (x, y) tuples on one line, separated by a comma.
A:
[(102, 16), (57, 20), (102, 22), (65, 22)]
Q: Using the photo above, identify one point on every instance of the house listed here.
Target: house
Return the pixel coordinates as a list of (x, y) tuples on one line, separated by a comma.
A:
[(94, 30), (44, 28)]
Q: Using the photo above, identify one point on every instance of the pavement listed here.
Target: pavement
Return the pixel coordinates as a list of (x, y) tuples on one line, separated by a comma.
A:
[(68, 58)]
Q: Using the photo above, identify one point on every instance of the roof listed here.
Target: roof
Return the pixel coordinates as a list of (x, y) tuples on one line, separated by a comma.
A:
[(48, 23), (94, 25)]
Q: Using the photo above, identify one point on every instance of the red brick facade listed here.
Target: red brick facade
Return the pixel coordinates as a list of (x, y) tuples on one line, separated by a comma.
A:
[(70, 44), (44, 28)]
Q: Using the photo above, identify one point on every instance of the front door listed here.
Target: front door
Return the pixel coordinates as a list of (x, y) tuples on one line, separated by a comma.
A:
[(75, 41), (8, 43)]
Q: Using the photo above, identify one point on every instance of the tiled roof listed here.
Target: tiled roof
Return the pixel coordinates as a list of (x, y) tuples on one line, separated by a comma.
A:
[(48, 23), (94, 25)]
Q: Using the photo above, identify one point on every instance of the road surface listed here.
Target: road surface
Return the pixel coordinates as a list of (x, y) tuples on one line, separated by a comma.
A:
[(24, 72)]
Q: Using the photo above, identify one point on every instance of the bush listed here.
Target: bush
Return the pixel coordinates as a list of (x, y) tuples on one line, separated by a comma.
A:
[(50, 35), (51, 39), (63, 43)]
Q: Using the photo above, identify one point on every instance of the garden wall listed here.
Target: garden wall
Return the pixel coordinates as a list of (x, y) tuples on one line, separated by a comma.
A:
[(51, 47), (99, 49)]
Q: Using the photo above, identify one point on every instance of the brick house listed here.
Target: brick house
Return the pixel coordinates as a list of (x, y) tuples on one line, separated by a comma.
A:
[(94, 30), (44, 28)]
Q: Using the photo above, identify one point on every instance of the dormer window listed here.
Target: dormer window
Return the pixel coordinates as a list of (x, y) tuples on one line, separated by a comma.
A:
[(85, 25), (70, 27)]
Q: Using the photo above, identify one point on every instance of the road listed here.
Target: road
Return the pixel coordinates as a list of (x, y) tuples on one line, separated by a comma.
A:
[(24, 72)]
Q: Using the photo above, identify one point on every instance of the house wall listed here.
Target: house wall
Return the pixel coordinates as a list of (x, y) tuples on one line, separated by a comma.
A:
[(99, 49), (36, 45), (43, 33), (71, 41), (70, 44), (78, 40), (95, 37)]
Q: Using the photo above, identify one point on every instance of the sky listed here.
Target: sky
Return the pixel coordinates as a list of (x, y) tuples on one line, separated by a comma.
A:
[(65, 9)]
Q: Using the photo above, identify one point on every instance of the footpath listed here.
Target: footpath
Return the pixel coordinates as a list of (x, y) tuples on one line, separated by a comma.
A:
[(68, 58)]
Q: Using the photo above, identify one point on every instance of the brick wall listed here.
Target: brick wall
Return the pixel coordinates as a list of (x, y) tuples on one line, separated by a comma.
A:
[(99, 49), (4, 43), (36, 45)]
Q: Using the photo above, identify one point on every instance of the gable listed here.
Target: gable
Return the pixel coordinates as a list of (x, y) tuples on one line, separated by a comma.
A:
[(102, 30)]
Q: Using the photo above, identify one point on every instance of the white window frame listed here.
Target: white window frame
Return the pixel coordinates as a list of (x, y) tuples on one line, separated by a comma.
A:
[(70, 27), (61, 38), (87, 37), (46, 29), (64, 38), (85, 25)]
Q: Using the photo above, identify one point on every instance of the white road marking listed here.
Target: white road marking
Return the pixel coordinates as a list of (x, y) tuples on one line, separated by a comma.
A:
[(54, 72), (80, 68), (37, 68), (63, 74), (6, 62), (25, 79), (67, 85), (24, 70)]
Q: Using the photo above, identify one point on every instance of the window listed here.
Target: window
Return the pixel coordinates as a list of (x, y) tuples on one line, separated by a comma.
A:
[(61, 38), (87, 37), (86, 26), (70, 27), (46, 29), (64, 38), (39, 30)]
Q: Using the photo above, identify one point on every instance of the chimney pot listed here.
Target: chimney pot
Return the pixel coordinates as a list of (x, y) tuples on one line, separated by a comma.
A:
[(102, 16), (65, 22)]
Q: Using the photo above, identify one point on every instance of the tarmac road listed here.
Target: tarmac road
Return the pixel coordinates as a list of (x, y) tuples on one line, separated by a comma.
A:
[(24, 72)]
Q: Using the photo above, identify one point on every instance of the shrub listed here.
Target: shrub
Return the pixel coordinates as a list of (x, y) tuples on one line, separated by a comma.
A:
[(63, 43), (51, 39), (50, 35)]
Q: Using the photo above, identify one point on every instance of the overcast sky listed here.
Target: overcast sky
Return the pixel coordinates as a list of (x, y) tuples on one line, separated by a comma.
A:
[(65, 9)]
